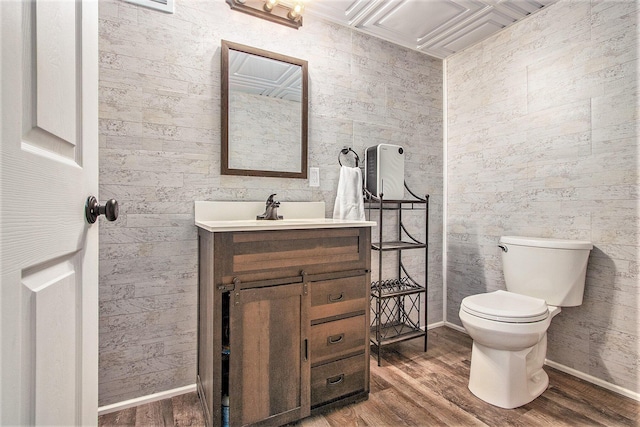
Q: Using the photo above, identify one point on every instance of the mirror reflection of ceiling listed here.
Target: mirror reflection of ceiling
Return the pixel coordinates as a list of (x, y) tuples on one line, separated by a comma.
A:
[(438, 28), (264, 76)]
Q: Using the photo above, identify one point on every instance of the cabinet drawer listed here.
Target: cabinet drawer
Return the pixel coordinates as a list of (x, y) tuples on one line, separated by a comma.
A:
[(337, 379), (333, 340), (266, 255), (339, 296)]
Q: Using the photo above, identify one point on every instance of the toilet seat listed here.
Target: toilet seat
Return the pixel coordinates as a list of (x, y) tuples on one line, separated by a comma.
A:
[(507, 307)]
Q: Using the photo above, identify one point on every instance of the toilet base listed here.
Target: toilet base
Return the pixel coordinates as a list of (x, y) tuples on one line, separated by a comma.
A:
[(508, 379)]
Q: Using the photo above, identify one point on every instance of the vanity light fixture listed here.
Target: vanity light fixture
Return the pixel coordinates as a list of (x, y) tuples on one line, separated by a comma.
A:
[(272, 10)]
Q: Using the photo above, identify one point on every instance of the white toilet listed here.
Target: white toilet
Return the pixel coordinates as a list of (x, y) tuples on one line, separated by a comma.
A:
[(509, 328)]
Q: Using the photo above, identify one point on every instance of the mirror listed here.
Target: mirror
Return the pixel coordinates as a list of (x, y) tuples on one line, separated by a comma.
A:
[(264, 113)]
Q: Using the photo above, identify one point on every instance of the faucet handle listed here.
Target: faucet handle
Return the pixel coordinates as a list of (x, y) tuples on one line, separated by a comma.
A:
[(270, 199)]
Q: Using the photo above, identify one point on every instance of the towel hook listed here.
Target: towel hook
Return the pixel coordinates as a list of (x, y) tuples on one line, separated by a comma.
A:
[(346, 151)]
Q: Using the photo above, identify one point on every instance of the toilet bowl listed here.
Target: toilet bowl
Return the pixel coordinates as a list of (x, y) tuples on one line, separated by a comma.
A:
[(509, 328), (509, 346)]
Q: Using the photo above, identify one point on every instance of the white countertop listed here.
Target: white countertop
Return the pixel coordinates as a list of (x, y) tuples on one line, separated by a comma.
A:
[(240, 216), (284, 224)]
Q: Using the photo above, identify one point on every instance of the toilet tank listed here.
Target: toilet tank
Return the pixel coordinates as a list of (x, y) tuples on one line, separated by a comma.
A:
[(550, 269)]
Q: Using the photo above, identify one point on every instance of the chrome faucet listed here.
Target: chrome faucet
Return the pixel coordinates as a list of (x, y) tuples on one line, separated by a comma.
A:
[(271, 212)]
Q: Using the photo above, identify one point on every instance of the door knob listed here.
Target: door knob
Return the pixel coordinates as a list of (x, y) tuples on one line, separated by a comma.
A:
[(92, 210)]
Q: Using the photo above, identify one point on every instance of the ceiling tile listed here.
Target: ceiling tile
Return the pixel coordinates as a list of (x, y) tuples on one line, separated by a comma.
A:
[(411, 22), (436, 27)]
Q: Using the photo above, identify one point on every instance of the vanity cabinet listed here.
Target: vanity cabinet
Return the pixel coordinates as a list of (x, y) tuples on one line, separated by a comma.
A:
[(283, 322)]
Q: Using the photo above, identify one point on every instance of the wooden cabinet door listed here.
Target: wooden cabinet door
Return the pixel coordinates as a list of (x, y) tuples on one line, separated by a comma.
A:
[(269, 373)]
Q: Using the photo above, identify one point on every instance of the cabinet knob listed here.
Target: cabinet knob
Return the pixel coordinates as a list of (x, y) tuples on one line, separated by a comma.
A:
[(333, 298), (335, 339), (335, 380)]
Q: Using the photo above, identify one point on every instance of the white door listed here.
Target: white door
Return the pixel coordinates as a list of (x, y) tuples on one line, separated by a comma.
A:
[(48, 251)]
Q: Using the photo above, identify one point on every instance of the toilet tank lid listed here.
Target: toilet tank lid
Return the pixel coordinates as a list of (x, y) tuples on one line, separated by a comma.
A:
[(541, 242)]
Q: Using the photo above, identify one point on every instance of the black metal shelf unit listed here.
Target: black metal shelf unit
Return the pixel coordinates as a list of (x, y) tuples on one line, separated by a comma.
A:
[(395, 302)]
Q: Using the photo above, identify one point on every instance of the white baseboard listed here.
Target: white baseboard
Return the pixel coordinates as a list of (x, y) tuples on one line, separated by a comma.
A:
[(145, 399), (593, 380), (456, 327), (567, 370), (434, 325)]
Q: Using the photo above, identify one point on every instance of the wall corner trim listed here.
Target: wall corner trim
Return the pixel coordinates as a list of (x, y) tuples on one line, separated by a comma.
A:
[(107, 409), (445, 188)]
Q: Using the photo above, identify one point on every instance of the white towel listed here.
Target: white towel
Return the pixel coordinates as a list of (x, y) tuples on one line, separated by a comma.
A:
[(349, 203)]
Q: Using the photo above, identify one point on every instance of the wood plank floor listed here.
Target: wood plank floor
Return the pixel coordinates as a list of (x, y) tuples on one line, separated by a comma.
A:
[(413, 388)]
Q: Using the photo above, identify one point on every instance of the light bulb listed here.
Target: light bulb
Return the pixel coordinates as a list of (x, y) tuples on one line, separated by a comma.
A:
[(270, 4), (296, 11)]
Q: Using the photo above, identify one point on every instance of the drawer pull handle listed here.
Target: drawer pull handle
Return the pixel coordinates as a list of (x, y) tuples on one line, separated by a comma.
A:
[(335, 339), (335, 380), (336, 299)]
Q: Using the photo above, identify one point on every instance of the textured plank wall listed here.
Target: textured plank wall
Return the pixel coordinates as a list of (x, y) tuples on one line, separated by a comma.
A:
[(543, 141), (160, 149)]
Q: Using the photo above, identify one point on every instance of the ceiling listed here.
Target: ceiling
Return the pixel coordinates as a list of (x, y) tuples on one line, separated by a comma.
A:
[(438, 28)]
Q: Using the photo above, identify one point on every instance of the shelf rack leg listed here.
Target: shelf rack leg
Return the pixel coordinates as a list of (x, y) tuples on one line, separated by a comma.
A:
[(378, 299), (426, 268)]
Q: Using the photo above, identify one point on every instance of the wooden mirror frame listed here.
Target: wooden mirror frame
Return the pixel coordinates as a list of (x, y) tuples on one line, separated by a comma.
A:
[(225, 169)]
